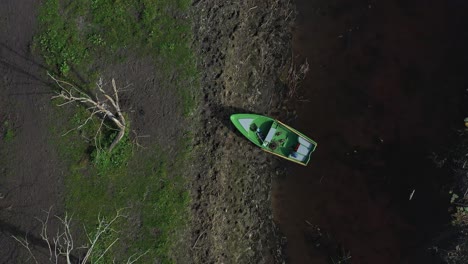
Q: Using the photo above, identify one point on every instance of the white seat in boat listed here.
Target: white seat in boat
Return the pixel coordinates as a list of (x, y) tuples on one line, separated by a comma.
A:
[(297, 156), (269, 136), (304, 142), (302, 150)]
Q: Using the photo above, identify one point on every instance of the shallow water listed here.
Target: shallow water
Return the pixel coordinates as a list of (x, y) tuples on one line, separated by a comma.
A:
[(383, 99)]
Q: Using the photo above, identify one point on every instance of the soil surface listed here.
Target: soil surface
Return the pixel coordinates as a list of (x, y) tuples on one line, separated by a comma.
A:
[(242, 49), (30, 171), (382, 99)]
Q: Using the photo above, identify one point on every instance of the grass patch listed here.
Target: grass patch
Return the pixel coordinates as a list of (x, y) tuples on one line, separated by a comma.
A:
[(75, 38), (144, 181), (59, 42), (75, 34), (8, 131)]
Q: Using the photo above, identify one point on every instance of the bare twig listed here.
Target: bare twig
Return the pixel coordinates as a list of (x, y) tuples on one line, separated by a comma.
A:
[(24, 242), (296, 76), (196, 241), (130, 260)]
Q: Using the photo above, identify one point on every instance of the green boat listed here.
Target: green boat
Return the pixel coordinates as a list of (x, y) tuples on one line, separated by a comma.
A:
[(275, 137)]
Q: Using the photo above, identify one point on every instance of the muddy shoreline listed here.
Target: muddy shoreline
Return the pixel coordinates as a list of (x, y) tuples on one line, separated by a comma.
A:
[(243, 49)]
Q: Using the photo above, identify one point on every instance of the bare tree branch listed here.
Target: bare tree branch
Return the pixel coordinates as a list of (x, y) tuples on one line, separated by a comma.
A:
[(62, 245), (103, 226), (44, 234)]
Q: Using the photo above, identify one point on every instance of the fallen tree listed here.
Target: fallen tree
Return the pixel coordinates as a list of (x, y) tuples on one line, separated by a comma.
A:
[(102, 105)]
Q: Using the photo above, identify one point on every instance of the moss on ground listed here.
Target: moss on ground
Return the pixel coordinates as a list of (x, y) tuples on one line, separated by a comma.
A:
[(8, 131)]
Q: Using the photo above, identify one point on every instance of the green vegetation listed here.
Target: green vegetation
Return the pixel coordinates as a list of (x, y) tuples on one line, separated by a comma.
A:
[(74, 35), (457, 252), (76, 39), (152, 190), (8, 131), (460, 214)]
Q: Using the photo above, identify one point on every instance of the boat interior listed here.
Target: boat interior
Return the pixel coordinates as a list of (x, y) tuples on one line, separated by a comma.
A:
[(278, 139)]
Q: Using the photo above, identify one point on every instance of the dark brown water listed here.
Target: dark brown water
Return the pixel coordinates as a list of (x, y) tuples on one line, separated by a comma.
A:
[(384, 93)]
